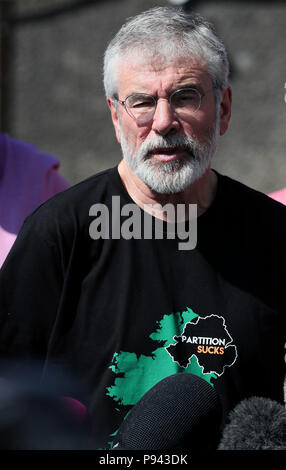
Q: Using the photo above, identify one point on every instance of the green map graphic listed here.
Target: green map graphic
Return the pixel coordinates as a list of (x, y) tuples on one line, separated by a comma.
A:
[(181, 345), (136, 375)]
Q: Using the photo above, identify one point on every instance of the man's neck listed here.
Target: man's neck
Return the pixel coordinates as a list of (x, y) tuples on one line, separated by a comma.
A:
[(201, 192)]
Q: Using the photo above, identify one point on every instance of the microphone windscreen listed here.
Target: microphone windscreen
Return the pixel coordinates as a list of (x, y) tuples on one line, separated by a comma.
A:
[(256, 423), (182, 411)]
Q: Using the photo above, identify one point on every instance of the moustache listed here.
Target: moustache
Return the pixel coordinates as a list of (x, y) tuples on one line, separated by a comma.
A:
[(169, 143)]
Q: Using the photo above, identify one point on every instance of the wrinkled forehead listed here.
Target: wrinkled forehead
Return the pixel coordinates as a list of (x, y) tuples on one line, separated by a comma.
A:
[(158, 58), (139, 69)]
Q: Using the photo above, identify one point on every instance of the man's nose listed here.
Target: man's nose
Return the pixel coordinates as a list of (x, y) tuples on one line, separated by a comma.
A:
[(165, 120)]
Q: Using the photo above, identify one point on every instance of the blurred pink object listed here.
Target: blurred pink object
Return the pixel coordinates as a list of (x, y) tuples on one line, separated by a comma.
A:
[(28, 178), (77, 408), (279, 196)]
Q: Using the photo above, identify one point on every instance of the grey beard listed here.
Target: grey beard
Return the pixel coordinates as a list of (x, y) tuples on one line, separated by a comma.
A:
[(174, 176)]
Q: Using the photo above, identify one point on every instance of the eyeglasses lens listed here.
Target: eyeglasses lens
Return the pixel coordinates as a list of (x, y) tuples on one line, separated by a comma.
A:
[(142, 107)]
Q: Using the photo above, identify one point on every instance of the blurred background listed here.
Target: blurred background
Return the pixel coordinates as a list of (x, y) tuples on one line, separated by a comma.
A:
[(52, 93)]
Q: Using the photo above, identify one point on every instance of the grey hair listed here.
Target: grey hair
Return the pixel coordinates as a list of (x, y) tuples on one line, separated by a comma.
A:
[(163, 34)]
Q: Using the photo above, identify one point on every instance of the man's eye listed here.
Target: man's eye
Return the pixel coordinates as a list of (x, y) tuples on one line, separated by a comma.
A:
[(185, 97), (142, 104), (139, 101)]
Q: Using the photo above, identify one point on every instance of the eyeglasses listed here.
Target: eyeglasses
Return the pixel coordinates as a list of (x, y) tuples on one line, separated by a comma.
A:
[(141, 107)]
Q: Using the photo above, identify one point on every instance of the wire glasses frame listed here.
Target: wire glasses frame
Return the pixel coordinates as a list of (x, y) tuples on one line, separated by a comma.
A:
[(141, 107)]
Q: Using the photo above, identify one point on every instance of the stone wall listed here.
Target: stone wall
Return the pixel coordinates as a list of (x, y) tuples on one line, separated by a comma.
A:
[(58, 99)]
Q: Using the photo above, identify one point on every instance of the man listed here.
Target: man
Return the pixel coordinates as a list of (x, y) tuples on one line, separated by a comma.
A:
[(94, 285)]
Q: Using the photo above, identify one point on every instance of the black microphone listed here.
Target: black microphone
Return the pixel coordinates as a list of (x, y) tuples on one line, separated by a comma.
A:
[(182, 411), (256, 423)]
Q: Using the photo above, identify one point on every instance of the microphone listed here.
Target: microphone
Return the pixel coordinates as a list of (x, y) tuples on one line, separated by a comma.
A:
[(182, 411), (256, 423)]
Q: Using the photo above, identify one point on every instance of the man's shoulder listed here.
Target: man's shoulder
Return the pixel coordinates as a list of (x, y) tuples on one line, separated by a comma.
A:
[(241, 194), (71, 207), (93, 189), (253, 212)]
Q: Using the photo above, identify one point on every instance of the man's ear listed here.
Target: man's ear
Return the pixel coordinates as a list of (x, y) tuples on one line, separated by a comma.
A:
[(114, 117), (225, 109)]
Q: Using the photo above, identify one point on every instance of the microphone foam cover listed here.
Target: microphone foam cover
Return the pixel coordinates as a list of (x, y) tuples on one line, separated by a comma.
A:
[(256, 423), (182, 411)]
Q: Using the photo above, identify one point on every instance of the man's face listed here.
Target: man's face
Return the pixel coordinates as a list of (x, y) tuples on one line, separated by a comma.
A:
[(168, 153)]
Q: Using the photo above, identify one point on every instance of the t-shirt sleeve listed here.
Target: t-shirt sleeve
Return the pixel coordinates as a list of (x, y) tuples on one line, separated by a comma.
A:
[(31, 281)]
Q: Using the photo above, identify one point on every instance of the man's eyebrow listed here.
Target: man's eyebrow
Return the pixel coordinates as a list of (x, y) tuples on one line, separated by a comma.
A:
[(194, 86)]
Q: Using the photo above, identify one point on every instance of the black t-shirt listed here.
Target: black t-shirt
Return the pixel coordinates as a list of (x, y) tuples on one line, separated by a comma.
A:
[(126, 313)]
